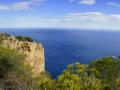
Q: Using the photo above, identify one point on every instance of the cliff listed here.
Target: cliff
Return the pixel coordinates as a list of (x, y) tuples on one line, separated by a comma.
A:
[(34, 51)]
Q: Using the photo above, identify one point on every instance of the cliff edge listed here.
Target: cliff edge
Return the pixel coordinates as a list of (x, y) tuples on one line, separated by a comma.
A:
[(34, 51)]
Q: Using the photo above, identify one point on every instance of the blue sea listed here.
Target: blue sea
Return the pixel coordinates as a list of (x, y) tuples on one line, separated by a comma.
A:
[(64, 47)]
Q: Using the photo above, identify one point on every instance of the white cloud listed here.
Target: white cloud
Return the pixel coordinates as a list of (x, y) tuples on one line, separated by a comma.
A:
[(23, 5), (91, 16), (113, 4), (117, 16), (86, 20), (86, 2)]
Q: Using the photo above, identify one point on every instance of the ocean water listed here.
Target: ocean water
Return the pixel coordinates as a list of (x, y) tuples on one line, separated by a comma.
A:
[(63, 47)]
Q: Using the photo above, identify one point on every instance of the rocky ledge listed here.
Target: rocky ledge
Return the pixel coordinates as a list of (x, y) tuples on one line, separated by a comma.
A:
[(34, 51)]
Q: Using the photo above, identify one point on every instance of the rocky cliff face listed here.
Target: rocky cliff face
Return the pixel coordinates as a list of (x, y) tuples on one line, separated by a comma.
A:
[(34, 52)]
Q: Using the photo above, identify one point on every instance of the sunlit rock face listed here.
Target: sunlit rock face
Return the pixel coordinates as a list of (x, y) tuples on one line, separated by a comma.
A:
[(34, 52)]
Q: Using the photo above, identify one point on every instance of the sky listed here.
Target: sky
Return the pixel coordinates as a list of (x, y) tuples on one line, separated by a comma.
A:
[(77, 14)]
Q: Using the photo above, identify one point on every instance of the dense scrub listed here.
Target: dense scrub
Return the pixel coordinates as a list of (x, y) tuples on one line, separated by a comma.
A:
[(101, 74), (13, 71), (5, 36), (21, 38)]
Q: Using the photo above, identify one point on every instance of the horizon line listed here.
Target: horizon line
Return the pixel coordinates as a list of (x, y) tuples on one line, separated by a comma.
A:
[(60, 28)]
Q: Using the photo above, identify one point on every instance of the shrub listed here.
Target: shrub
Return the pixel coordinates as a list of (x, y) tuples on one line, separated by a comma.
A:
[(13, 69), (20, 38)]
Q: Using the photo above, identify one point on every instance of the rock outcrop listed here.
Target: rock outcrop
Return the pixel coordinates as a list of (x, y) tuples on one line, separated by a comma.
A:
[(34, 51)]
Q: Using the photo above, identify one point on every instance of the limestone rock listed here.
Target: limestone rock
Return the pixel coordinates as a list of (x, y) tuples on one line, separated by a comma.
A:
[(34, 52)]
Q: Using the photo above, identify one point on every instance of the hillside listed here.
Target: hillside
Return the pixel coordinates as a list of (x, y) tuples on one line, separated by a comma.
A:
[(34, 51)]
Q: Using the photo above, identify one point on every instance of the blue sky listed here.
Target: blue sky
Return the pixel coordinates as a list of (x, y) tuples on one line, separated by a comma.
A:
[(79, 14)]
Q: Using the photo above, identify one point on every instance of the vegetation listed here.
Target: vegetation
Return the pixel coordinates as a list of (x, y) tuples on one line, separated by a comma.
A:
[(20, 38), (13, 71), (101, 74), (5, 36)]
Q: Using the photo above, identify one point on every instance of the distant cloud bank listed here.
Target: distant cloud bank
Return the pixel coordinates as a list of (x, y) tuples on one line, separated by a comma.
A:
[(94, 16), (86, 20)]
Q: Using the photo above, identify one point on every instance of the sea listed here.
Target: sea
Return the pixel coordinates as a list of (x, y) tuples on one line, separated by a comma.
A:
[(67, 46)]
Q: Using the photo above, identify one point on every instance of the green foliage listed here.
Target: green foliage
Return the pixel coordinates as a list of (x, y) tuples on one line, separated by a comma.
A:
[(76, 77), (12, 68), (68, 81), (90, 83), (117, 84), (101, 74), (9, 60), (43, 82), (108, 69), (20, 38)]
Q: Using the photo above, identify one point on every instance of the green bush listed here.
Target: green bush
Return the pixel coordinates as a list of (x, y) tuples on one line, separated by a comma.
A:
[(101, 74), (108, 69), (20, 38), (13, 69)]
